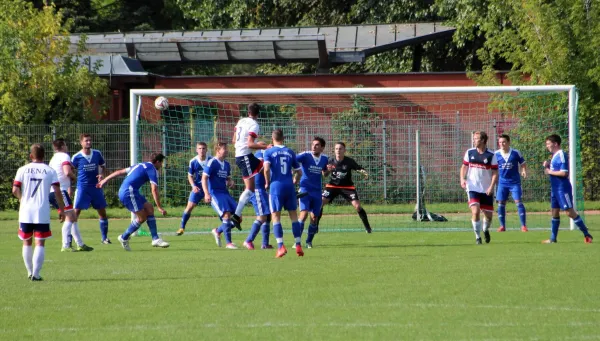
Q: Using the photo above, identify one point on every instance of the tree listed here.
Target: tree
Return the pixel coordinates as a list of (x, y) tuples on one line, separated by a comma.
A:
[(551, 42)]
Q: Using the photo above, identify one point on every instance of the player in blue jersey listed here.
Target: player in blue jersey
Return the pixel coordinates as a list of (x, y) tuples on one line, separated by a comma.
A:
[(135, 202), (260, 201), (90, 167), (195, 168), (561, 190), (509, 161), (279, 162), (478, 176), (216, 179), (314, 167)]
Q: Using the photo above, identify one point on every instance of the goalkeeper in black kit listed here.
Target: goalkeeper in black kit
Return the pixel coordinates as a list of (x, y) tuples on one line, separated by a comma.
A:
[(341, 183)]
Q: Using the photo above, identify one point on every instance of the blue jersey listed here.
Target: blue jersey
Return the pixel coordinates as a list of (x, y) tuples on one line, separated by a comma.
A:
[(217, 172), (195, 169), (282, 161), (508, 166), (138, 175), (259, 179), (88, 168), (560, 162), (312, 168)]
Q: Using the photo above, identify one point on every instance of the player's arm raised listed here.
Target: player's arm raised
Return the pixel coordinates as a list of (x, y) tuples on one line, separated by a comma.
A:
[(205, 188), (111, 176)]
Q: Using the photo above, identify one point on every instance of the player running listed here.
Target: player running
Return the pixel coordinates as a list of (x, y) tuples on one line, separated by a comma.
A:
[(280, 161), (260, 201), (216, 178), (480, 167), (509, 161), (61, 163), (244, 138), (314, 167), (561, 190), (90, 167), (32, 187), (129, 195), (341, 183), (196, 166)]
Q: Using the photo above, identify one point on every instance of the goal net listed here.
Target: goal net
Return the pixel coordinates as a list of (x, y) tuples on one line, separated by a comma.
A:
[(379, 127)]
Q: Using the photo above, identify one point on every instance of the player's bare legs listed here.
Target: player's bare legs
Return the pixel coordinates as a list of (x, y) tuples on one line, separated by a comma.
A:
[(362, 214)]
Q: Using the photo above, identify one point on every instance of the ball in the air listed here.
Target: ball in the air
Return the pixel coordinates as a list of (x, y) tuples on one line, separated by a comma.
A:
[(161, 103)]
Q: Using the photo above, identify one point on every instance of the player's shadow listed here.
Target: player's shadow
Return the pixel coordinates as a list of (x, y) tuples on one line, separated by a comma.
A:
[(136, 279)]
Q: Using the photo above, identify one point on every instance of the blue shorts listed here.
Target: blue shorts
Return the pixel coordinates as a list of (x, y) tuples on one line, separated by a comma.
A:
[(132, 200), (561, 200), (280, 201), (260, 201), (485, 202), (89, 195), (39, 231), (503, 189), (312, 202), (66, 200), (222, 202), (249, 165), (196, 198)]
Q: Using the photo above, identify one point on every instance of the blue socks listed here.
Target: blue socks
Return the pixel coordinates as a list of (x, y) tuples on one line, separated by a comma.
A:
[(297, 232), (184, 219), (104, 228), (266, 230), (502, 214), (278, 233), (579, 222), (253, 231), (555, 225), (134, 226), (225, 229), (152, 226), (522, 213)]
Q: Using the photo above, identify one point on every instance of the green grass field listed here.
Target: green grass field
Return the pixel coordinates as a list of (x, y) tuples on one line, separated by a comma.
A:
[(351, 286)]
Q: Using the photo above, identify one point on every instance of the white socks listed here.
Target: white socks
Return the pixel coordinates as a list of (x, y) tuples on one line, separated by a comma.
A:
[(27, 257), (477, 228), (66, 231), (244, 197), (76, 234), (38, 260), (486, 225)]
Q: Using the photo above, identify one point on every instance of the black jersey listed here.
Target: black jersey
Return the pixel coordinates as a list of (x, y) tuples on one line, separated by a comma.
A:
[(341, 176)]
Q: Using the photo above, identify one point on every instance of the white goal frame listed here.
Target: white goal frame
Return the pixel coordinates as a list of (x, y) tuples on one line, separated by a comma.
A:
[(135, 106)]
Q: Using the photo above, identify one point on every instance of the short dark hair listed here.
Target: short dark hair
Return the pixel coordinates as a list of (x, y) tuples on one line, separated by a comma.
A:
[(504, 136), (254, 109), (483, 135), (554, 138), (37, 151), (58, 144), (321, 140), (220, 145), (84, 135), (341, 144), (157, 157), (202, 144), (278, 135)]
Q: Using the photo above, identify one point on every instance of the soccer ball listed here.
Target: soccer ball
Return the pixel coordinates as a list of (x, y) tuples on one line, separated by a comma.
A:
[(161, 103)]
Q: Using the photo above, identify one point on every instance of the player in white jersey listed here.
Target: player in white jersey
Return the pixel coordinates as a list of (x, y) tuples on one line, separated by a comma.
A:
[(32, 187), (244, 136), (61, 163), (480, 168)]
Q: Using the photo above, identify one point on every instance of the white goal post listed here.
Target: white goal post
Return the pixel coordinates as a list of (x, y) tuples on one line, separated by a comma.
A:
[(135, 106)]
